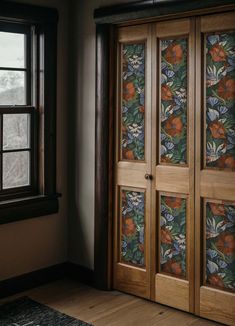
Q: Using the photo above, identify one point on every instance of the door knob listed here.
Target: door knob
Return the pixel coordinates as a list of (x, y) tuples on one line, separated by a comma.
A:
[(148, 176)]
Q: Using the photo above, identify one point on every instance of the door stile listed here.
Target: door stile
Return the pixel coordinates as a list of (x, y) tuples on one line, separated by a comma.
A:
[(191, 115), (154, 123), (130, 172), (174, 181), (198, 123), (215, 169)]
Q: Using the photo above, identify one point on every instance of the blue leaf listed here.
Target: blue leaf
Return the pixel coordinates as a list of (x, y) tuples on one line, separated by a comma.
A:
[(213, 39)]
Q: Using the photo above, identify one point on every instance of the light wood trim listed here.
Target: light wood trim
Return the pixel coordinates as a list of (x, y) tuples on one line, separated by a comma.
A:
[(154, 123), (133, 33), (131, 280), (217, 305), (213, 185), (131, 174), (172, 291), (213, 23), (217, 184), (172, 178), (173, 28), (198, 224), (178, 180)]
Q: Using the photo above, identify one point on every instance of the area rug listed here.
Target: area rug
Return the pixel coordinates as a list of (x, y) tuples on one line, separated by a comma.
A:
[(27, 312)]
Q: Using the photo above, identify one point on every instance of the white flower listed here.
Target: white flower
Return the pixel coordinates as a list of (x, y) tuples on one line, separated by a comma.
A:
[(166, 112), (214, 76), (214, 153), (135, 61), (135, 198), (135, 130)]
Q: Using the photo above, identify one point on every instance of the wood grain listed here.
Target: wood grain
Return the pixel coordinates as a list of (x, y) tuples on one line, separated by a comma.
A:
[(215, 185), (110, 308), (217, 305), (172, 292), (172, 178)]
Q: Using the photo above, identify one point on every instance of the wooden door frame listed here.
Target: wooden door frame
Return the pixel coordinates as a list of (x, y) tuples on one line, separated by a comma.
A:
[(106, 19)]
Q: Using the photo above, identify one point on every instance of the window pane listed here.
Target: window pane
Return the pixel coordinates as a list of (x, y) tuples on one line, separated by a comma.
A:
[(12, 52), (16, 128), (15, 169), (12, 87)]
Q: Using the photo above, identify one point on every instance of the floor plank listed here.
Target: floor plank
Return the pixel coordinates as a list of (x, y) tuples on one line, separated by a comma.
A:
[(108, 308)]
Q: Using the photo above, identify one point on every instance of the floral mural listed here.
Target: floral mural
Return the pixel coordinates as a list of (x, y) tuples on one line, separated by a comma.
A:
[(132, 239), (220, 245), (220, 100), (174, 101), (133, 101), (173, 235)]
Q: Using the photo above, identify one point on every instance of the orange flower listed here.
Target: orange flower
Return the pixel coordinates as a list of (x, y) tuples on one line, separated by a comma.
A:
[(141, 109), (129, 155), (173, 202), (226, 161), (218, 54), (217, 129), (217, 209), (165, 159), (174, 54), (141, 247), (129, 227), (174, 126), (166, 236), (166, 93), (215, 280), (226, 89), (226, 243), (172, 267), (128, 91)]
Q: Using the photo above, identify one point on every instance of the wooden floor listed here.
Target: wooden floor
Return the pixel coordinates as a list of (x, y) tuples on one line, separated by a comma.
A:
[(108, 308)]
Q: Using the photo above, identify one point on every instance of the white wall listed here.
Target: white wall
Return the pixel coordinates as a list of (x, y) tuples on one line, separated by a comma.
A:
[(82, 117), (37, 243)]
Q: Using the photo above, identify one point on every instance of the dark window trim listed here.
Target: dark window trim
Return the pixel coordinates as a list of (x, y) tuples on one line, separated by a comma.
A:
[(106, 18), (45, 202)]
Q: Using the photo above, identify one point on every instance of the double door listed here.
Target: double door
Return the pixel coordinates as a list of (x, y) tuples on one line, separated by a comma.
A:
[(174, 228)]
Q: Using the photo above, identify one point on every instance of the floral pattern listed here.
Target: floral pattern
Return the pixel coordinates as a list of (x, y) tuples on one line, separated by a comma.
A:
[(133, 101), (173, 235), (220, 100), (132, 239), (174, 101), (220, 245)]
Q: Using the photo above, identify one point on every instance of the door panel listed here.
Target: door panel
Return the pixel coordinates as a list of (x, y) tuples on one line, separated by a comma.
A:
[(133, 159), (215, 168), (174, 227), (173, 184)]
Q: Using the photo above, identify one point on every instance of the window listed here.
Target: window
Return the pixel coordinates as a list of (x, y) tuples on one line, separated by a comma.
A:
[(27, 111), (18, 139)]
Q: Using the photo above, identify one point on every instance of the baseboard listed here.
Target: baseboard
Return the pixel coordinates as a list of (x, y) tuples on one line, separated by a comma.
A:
[(43, 276), (80, 273)]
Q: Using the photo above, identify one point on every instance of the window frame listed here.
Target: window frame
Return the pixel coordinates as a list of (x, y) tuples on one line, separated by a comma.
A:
[(41, 199)]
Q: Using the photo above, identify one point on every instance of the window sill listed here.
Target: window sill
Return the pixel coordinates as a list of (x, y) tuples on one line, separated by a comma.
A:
[(30, 207)]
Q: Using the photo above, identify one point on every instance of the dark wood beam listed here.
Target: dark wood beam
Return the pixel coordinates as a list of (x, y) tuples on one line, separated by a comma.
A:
[(152, 8)]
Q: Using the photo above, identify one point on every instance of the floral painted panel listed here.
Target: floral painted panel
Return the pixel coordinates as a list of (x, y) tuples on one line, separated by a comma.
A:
[(174, 101), (133, 101), (132, 238), (173, 235), (220, 245), (220, 100)]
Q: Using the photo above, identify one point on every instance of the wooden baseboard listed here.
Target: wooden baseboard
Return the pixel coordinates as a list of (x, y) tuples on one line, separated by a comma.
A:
[(46, 275)]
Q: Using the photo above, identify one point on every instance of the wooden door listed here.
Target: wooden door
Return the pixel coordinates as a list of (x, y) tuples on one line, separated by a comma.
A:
[(173, 164), (215, 168), (174, 230), (133, 161)]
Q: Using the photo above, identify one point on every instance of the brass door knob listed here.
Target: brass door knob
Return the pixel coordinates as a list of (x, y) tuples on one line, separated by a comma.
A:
[(148, 176)]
